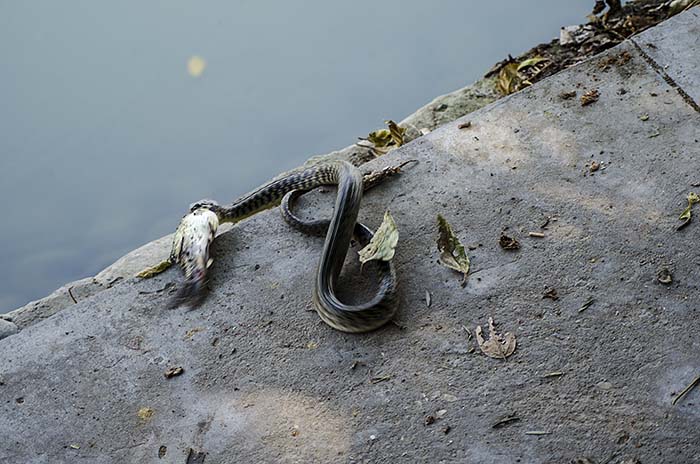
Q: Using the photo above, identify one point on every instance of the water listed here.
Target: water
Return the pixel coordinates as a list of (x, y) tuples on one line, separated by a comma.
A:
[(105, 138)]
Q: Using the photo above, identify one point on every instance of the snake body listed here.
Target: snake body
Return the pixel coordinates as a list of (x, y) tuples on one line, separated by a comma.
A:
[(197, 230)]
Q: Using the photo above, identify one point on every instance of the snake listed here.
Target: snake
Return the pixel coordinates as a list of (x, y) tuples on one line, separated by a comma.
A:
[(197, 229)]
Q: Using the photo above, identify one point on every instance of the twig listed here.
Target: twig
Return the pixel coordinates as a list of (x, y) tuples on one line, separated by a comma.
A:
[(505, 421), (686, 390), (586, 305), (70, 292)]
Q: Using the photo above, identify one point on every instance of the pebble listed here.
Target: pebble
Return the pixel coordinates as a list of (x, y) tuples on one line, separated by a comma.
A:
[(7, 328)]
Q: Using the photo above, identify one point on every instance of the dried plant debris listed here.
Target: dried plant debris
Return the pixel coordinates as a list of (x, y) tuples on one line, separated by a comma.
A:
[(509, 419), (145, 413), (173, 372), (567, 95), (382, 246), (508, 243), (515, 75), (155, 269), (497, 346), (687, 389), (586, 305), (551, 294), (465, 125), (604, 30), (385, 140), (676, 6), (590, 97), (452, 253), (686, 215), (610, 60)]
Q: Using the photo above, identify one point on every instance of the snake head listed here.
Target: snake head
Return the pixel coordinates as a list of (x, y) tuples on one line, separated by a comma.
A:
[(205, 203), (191, 251)]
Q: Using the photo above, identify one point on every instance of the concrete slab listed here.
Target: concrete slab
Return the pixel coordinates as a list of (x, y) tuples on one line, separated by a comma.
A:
[(676, 50), (265, 381)]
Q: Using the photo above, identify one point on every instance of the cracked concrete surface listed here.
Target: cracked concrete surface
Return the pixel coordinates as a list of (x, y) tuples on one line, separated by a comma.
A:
[(265, 381)]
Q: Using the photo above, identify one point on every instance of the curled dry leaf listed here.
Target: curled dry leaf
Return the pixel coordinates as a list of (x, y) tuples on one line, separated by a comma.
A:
[(383, 244), (590, 97), (385, 140), (531, 62), (497, 346), (173, 372), (452, 252), (686, 214), (508, 243)]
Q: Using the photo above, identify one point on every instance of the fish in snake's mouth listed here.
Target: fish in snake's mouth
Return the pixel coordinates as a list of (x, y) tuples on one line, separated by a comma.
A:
[(190, 249)]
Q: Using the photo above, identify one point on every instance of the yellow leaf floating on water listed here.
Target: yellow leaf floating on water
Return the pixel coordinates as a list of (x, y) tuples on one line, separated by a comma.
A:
[(452, 253), (196, 66), (383, 244), (497, 346)]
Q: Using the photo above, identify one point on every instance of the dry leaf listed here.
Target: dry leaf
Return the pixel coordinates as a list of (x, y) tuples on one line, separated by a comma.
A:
[(590, 97), (508, 243), (452, 252), (155, 270), (497, 346), (692, 199), (508, 79), (385, 140), (173, 372), (196, 66), (383, 245), (530, 62), (145, 413)]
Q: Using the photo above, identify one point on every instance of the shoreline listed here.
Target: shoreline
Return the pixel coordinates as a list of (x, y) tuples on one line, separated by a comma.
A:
[(604, 30)]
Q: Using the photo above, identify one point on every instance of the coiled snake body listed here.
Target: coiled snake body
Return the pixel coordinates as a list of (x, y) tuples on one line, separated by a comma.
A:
[(197, 229)]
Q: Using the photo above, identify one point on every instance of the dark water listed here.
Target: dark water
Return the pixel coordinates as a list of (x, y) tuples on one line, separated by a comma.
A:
[(105, 138)]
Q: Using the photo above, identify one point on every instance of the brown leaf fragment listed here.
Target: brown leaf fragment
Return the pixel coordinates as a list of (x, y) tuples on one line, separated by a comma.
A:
[(465, 125), (594, 166), (590, 97), (497, 346), (173, 372), (452, 253), (508, 243)]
